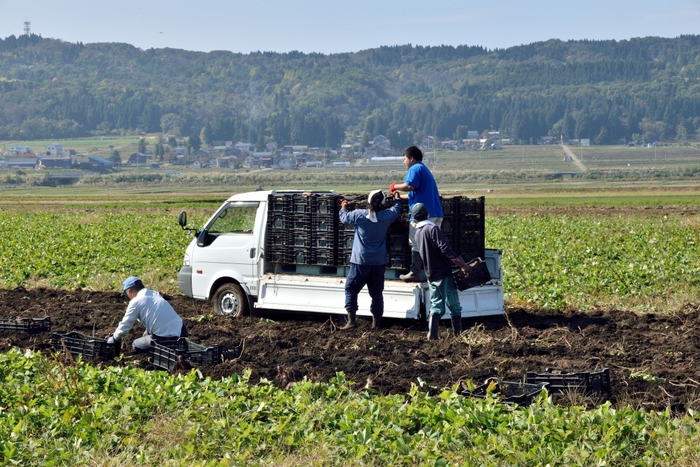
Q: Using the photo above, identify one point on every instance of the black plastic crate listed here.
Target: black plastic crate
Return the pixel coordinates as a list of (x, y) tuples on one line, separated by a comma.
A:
[(299, 256), (469, 244), (323, 240), (343, 256), (448, 206), (399, 262), (513, 392), (324, 223), (448, 226), (477, 274), (300, 224), (79, 344), (280, 203), (469, 222), (464, 205), (273, 255), (301, 240), (397, 243), (277, 238), (28, 325), (346, 238), (166, 354), (325, 205), (278, 221), (300, 204), (561, 381), (323, 256)]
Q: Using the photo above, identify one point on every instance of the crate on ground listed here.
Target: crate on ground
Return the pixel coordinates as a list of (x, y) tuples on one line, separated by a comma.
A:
[(513, 392), (28, 325), (166, 354), (79, 344), (561, 381)]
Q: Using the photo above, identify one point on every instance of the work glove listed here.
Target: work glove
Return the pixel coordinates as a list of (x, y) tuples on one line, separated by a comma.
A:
[(111, 340), (344, 204), (392, 187)]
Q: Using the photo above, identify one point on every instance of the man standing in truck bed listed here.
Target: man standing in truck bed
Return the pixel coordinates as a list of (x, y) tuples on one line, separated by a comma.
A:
[(421, 188), (369, 254)]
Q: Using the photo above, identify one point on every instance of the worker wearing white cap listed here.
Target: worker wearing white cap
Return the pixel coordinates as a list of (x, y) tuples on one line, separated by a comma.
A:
[(369, 254)]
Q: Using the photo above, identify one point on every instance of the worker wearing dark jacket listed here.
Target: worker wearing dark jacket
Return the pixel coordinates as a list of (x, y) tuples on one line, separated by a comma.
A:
[(438, 260), (369, 254)]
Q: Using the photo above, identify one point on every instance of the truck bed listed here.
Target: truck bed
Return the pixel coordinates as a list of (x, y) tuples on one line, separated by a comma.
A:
[(326, 294)]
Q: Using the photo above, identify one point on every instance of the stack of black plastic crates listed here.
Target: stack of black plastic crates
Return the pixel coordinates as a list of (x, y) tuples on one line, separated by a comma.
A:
[(304, 229), (463, 225)]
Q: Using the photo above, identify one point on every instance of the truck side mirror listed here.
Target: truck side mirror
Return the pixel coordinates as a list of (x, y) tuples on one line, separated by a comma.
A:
[(182, 219)]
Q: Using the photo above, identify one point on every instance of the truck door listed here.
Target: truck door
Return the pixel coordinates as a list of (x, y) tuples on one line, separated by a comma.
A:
[(228, 246)]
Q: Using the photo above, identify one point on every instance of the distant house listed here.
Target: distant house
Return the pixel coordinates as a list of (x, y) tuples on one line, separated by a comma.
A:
[(139, 159), (285, 163), (245, 147), (54, 150), (19, 150)]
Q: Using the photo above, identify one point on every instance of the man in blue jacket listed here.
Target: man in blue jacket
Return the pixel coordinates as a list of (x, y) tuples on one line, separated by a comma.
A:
[(421, 187), (369, 254)]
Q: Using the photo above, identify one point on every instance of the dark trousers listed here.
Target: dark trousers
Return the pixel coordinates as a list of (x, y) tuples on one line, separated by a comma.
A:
[(371, 276)]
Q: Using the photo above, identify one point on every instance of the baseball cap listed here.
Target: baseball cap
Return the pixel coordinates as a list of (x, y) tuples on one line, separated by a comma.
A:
[(419, 210), (129, 282)]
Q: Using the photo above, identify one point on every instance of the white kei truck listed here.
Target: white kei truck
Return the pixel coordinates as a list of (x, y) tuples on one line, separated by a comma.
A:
[(227, 263)]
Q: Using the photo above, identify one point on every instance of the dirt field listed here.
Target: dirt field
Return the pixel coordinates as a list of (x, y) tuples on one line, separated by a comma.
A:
[(653, 359)]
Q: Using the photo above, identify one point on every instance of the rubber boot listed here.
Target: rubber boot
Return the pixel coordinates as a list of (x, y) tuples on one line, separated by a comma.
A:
[(416, 267), (433, 324), (376, 322), (457, 326), (351, 324)]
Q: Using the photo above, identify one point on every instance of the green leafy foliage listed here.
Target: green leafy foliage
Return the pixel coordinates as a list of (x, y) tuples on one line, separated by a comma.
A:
[(564, 261), (57, 414)]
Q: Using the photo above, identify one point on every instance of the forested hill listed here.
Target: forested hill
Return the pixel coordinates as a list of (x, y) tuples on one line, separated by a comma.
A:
[(604, 90)]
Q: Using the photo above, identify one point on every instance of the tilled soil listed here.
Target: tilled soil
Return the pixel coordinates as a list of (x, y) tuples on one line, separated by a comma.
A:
[(651, 358)]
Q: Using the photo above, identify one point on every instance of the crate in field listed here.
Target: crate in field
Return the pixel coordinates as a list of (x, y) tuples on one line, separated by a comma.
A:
[(166, 354), (28, 325), (79, 344), (562, 382), (513, 392)]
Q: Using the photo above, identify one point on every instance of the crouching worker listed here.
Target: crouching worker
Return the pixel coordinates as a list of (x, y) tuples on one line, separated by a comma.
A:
[(150, 309), (438, 258), (369, 254)]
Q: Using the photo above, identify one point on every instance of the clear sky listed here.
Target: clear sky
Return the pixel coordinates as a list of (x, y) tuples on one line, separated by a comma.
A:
[(330, 26)]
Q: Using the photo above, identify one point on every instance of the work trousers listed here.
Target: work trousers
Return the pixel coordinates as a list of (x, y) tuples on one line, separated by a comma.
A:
[(444, 291), (373, 277)]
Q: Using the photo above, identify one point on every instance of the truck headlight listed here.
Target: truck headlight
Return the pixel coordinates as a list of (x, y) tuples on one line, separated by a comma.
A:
[(186, 260)]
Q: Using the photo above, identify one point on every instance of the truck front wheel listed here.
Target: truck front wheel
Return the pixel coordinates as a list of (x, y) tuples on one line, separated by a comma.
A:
[(230, 300)]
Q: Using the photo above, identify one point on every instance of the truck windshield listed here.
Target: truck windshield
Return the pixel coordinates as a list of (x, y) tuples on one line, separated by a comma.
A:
[(235, 218)]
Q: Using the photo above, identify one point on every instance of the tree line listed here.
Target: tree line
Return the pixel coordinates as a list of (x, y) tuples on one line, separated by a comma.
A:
[(609, 91)]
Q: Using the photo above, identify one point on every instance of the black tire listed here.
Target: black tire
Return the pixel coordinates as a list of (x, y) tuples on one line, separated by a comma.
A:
[(230, 300)]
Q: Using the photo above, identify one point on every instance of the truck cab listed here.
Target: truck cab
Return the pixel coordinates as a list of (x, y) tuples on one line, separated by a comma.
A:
[(235, 261)]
